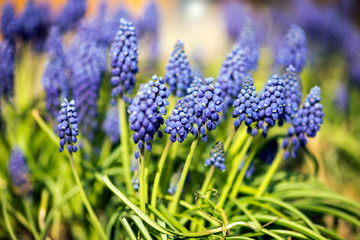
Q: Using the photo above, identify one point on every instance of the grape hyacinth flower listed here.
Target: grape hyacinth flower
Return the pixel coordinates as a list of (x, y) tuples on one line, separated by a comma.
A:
[(55, 80), (235, 13), (71, 15), (174, 181), (110, 124), (178, 124), (246, 106), (7, 62), (19, 172), (249, 171), (306, 123), (178, 72), (68, 126), (342, 97), (293, 50), (136, 180), (237, 65), (209, 104), (271, 104), (124, 62), (8, 22), (34, 23), (292, 91), (87, 61), (146, 110), (217, 156)]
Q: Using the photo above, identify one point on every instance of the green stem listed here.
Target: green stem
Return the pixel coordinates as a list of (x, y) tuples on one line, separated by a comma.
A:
[(85, 200), (147, 171), (6, 216), (270, 173), (170, 166), (30, 220), (43, 208), (125, 144), (233, 172), (159, 172), (174, 204), (242, 174), (230, 138), (142, 189), (207, 181)]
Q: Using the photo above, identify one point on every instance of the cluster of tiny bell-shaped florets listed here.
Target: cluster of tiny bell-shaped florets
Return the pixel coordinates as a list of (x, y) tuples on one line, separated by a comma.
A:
[(217, 156), (178, 72), (178, 124), (292, 92), (111, 124), (146, 110), (293, 50), (305, 123), (246, 105), (19, 172), (271, 104), (209, 104), (68, 126), (124, 60)]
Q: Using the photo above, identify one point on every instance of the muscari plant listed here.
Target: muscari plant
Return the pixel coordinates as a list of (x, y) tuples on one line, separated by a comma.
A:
[(178, 187)]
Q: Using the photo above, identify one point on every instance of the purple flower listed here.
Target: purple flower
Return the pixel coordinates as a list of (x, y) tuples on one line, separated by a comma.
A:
[(174, 181), (246, 105), (111, 124), (34, 23), (293, 50), (306, 123), (55, 80), (124, 62), (293, 93), (235, 14), (269, 151), (71, 15), (19, 172), (88, 63), (217, 156), (208, 105), (7, 61), (237, 65), (178, 72), (271, 104), (146, 110), (68, 126), (8, 21), (342, 97)]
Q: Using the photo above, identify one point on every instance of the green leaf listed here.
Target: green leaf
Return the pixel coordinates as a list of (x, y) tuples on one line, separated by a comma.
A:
[(142, 227), (128, 229)]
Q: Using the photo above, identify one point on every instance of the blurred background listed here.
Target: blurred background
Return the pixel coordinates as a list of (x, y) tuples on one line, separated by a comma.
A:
[(210, 28)]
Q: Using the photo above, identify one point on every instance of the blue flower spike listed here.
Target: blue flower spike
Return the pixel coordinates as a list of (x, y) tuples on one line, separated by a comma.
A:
[(246, 106), (306, 123), (124, 60), (68, 126), (217, 156), (209, 104)]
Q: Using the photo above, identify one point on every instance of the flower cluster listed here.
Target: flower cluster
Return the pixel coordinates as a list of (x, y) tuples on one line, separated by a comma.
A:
[(237, 65), (178, 123), (19, 172), (146, 110), (293, 50), (111, 124), (271, 104), (209, 104), (217, 156), (8, 22), (246, 105), (178, 72), (293, 95), (68, 126), (306, 123), (88, 64), (235, 13), (124, 63), (70, 15), (7, 56), (55, 80)]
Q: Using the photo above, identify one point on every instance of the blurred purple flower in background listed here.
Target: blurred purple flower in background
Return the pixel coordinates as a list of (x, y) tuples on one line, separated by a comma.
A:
[(7, 61), (19, 172), (8, 21), (71, 14), (111, 123)]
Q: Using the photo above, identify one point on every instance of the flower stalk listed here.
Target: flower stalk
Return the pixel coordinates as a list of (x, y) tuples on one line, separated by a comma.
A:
[(174, 204)]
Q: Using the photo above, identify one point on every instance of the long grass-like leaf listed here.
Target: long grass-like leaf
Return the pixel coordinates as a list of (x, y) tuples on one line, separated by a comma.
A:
[(141, 227), (128, 229)]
